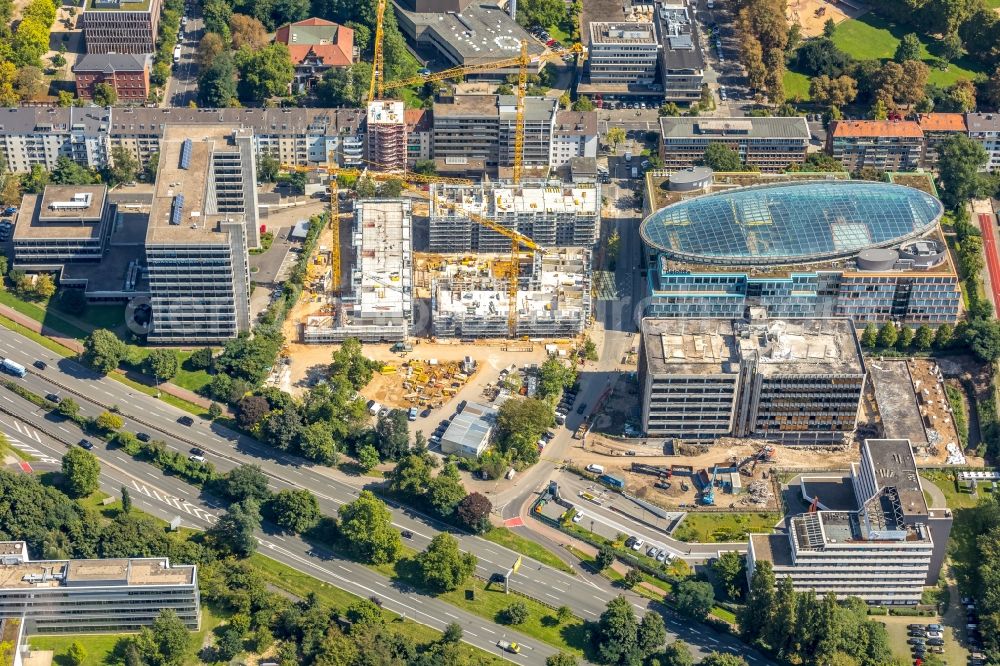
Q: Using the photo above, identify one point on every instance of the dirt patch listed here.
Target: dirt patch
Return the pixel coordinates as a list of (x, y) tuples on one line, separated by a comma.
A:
[(811, 15)]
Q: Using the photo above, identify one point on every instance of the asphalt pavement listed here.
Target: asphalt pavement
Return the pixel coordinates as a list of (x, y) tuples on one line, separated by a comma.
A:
[(585, 593), (182, 87)]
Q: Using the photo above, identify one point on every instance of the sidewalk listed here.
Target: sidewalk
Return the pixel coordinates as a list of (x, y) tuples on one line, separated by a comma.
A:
[(74, 345)]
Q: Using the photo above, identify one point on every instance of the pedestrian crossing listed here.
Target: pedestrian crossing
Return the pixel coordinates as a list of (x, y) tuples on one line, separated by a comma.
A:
[(23, 440), (174, 502)]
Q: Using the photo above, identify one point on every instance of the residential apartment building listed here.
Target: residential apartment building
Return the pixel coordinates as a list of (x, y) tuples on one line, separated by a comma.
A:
[(379, 304), (479, 129), (682, 61), (795, 381), (937, 127), (882, 545), (886, 145), (623, 53), (126, 73), (984, 129), (120, 26), (66, 223), (387, 135), (551, 215), (202, 222), (94, 596), (31, 136), (419, 135), (770, 144), (315, 45), (574, 135)]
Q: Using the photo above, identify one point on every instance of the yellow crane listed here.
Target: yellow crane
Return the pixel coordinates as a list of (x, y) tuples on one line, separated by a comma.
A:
[(375, 86)]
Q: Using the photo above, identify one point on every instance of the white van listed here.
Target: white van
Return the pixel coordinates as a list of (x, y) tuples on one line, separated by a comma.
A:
[(595, 469), (177, 54)]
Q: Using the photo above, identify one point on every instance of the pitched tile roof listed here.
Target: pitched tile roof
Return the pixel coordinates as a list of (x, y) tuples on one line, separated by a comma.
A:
[(876, 128), (942, 122), (328, 41)]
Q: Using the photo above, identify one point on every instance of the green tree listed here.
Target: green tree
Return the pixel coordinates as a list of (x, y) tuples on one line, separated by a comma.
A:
[(31, 42), (722, 659), (344, 86), (228, 645), (366, 526), (720, 157), (263, 73), (209, 48), (126, 500), (983, 338), (561, 659), (960, 160), (632, 578), (295, 510), (756, 616), (781, 632), (351, 363), (924, 338), (545, 13), (217, 83), (473, 512), (616, 635), (605, 557), (452, 633), (171, 639), (694, 598), (69, 408), (589, 349), (731, 570), (81, 472), (76, 655), (267, 168), (251, 410), (68, 172), (235, 530), (942, 336), (520, 423), (554, 377), (887, 336), (200, 359), (905, 338), (970, 256), (109, 422), (392, 435), (583, 103), (425, 168), (829, 27), (514, 614), (446, 491), (103, 350), (442, 565), (162, 364), (908, 48), (368, 458), (677, 654), (316, 443), (412, 475), (564, 614), (246, 482), (45, 286), (124, 167), (105, 95), (214, 410), (615, 136), (652, 633)]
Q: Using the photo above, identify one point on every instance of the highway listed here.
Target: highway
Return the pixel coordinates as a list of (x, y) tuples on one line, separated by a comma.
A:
[(586, 594)]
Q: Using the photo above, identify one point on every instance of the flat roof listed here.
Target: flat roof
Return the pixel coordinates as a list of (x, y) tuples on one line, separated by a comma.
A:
[(36, 222), (479, 33), (386, 112), (983, 122), (773, 548), (471, 429), (192, 183), (73, 202), (894, 466), (142, 121), (384, 257), (730, 128), (690, 346), (632, 33), (803, 346), (80, 573), (118, 5), (502, 198)]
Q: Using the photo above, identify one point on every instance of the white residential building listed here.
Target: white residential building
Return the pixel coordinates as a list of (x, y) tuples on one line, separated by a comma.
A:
[(31, 136), (574, 135), (623, 53), (984, 129)]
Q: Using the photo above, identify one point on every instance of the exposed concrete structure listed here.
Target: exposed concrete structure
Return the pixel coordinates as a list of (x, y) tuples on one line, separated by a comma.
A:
[(202, 222), (553, 299), (379, 307), (120, 26), (94, 596), (884, 549), (66, 223), (387, 135), (551, 215), (792, 381)]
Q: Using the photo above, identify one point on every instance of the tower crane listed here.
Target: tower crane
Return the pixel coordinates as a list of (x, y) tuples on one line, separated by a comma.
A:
[(375, 86)]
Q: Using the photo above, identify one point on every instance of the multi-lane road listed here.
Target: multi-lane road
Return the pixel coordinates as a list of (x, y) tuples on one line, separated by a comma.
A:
[(586, 594)]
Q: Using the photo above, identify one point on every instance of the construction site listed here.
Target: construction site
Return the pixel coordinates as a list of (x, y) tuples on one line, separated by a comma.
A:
[(551, 215), (470, 295), (416, 383)]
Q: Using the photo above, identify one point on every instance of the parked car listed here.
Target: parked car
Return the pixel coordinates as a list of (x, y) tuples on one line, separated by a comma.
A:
[(916, 641), (935, 627), (629, 542), (87, 444), (186, 420), (935, 641), (914, 626), (581, 409), (652, 552), (426, 413), (935, 634), (637, 546), (661, 556)]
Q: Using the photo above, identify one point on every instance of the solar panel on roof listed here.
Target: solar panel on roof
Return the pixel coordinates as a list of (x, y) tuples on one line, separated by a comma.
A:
[(186, 154), (177, 209)]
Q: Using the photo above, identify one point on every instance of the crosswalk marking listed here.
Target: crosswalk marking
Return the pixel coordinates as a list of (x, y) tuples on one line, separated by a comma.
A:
[(175, 502)]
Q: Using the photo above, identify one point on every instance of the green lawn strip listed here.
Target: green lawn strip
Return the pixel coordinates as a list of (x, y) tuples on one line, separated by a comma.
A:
[(51, 345), (720, 527), (43, 315), (97, 646), (300, 584), (528, 548), (723, 614), (192, 380), (180, 403), (796, 85), (956, 499), (957, 403)]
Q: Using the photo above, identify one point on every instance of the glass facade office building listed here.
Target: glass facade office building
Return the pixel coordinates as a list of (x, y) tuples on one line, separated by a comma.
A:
[(805, 249)]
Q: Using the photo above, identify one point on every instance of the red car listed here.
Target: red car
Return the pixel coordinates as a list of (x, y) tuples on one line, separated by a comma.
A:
[(551, 43)]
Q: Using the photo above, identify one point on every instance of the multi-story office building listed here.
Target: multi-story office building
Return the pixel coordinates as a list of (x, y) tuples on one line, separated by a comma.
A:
[(303, 137), (770, 144), (871, 251), (94, 596), (418, 135), (984, 128), (315, 45), (622, 54), (379, 305), (936, 128), (120, 26), (883, 545), (31, 136), (127, 73), (574, 135), (550, 215), (66, 223), (886, 145), (387, 135), (479, 129), (795, 381), (202, 221), (682, 62)]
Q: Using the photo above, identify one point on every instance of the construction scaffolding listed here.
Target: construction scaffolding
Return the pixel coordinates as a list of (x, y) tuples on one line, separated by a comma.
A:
[(469, 296)]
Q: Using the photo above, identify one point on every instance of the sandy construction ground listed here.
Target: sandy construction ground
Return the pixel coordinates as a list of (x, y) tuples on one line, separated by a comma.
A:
[(812, 14)]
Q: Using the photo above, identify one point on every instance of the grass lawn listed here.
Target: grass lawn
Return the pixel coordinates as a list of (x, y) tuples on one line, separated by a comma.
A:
[(193, 380), (517, 543), (956, 499), (411, 98), (871, 37), (796, 85), (42, 315), (560, 35), (51, 345), (719, 527), (98, 646), (300, 585)]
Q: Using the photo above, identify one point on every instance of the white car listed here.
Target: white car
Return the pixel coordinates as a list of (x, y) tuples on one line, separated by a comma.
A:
[(935, 634), (637, 546), (652, 552), (662, 556), (578, 517)]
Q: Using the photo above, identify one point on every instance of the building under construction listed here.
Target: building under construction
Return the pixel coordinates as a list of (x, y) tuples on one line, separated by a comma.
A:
[(379, 306), (469, 299), (553, 215)]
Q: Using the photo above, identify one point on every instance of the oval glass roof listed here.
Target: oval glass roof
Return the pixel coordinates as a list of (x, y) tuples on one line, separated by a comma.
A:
[(790, 223)]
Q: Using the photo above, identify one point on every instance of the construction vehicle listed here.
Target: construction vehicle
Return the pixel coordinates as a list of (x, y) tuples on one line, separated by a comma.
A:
[(708, 495), (611, 481)]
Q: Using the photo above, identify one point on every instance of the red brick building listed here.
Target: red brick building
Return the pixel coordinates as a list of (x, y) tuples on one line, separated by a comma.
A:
[(128, 74)]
